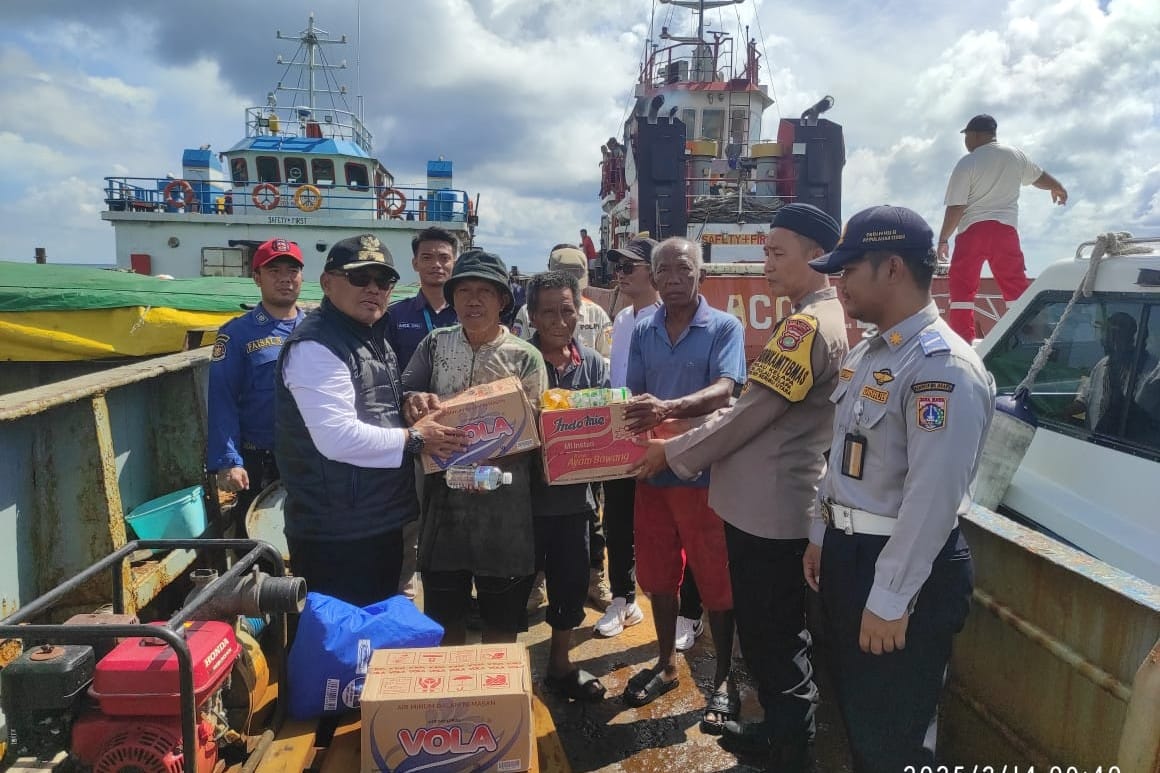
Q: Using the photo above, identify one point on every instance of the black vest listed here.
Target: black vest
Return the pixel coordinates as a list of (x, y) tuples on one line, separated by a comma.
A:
[(329, 500)]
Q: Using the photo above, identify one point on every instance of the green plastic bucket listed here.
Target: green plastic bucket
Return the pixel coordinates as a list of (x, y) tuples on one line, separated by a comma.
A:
[(180, 515)]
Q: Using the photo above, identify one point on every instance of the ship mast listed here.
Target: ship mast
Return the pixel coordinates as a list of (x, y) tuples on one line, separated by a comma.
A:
[(310, 41), (698, 7)]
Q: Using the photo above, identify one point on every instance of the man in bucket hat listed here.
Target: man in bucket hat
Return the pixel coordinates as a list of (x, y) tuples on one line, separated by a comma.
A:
[(465, 539), (341, 442)]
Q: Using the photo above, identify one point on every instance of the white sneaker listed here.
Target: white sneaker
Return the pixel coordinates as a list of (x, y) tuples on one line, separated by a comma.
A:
[(687, 632), (620, 615)]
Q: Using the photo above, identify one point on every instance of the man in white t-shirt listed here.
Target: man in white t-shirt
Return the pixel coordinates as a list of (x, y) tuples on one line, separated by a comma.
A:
[(982, 204), (631, 269)]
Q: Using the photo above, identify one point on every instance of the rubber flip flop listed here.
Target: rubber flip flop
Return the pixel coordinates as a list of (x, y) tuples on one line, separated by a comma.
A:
[(726, 706), (577, 684), (647, 686)]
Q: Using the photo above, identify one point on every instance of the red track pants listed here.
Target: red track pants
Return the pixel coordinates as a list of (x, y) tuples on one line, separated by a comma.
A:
[(998, 245)]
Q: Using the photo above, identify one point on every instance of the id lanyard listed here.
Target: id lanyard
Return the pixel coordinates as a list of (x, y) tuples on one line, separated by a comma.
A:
[(427, 318)]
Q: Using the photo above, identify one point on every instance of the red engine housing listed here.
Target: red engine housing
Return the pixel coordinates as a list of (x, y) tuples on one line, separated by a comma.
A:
[(140, 677), (118, 744)]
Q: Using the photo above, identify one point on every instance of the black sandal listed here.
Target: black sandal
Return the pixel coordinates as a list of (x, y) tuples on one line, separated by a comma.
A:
[(577, 684), (648, 685), (726, 704)]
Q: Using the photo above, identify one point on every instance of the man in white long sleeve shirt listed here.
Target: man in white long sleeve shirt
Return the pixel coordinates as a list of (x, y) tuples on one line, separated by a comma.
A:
[(341, 439)]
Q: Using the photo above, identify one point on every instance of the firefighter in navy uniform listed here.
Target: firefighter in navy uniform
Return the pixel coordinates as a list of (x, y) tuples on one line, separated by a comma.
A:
[(912, 408), (241, 378)]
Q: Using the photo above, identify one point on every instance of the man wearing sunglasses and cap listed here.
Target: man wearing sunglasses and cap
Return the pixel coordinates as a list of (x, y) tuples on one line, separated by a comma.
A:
[(240, 442), (912, 407), (341, 441)]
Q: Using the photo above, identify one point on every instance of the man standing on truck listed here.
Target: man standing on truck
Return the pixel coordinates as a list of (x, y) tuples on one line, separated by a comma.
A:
[(766, 459), (684, 362), (340, 438), (982, 203), (240, 444), (912, 408)]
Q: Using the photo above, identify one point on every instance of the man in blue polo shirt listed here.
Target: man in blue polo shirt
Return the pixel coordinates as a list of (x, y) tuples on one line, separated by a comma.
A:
[(684, 362), (433, 253)]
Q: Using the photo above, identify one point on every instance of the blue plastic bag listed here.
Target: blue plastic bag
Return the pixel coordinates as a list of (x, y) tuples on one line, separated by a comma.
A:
[(333, 646)]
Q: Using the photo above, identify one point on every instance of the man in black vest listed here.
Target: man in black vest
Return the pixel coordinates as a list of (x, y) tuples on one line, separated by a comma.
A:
[(341, 442)]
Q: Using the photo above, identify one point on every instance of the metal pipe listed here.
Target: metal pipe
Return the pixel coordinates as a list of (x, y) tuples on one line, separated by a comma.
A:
[(1033, 755), (1075, 660)]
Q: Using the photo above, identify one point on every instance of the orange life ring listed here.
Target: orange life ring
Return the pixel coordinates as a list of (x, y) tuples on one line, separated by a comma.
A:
[(308, 198), (186, 194), (385, 202), (266, 196), (422, 209)]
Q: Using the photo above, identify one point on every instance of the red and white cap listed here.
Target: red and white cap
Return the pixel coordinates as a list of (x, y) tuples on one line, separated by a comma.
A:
[(276, 248)]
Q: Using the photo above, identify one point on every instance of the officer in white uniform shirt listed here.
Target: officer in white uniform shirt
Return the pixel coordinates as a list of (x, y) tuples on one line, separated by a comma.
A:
[(912, 408)]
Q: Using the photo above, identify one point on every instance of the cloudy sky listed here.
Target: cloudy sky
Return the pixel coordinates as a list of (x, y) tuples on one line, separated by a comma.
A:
[(521, 93)]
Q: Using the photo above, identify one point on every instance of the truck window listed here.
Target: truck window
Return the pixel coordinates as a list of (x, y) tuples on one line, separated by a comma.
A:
[(1102, 383)]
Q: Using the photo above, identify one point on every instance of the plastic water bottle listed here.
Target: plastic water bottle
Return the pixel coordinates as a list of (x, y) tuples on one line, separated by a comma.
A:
[(471, 478)]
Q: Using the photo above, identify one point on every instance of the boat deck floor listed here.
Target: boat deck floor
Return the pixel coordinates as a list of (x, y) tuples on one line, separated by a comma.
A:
[(664, 736)]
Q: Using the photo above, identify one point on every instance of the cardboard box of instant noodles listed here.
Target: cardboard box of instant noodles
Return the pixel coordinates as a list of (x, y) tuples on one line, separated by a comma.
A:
[(498, 418), (582, 445)]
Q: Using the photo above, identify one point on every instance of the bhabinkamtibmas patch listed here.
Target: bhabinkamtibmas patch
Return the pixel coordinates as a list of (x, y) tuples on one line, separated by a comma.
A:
[(784, 363)]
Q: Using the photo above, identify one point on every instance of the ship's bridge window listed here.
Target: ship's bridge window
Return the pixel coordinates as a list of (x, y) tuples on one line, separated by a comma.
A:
[(295, 170), (1102, 384), (689, 119), (322, 170), (357, 177), (268, 171), (739, 124), (713, 126), (238, 171)]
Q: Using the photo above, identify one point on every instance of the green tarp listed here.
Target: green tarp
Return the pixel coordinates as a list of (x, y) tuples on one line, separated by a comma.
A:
[(33, 287)]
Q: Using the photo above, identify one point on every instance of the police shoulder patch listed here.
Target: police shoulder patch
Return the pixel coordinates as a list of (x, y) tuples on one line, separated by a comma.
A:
[(784, 364), (219, 347), (932, 343)]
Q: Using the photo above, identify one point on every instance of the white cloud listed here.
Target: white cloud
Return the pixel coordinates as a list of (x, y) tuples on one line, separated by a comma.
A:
[(521, 94)]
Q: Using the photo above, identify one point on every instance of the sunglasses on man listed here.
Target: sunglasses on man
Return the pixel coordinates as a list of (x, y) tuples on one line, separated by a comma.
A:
[(626, 267), (364, 277)]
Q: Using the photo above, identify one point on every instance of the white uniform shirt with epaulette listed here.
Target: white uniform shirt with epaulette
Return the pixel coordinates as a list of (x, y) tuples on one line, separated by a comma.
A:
[(922, 400)]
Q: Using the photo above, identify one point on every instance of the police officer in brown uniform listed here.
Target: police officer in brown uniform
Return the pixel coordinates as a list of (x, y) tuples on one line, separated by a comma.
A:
[(766, 458), (912, 408)]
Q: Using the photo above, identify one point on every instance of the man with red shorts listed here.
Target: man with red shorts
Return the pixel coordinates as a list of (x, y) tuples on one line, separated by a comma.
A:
[(684, 362), (982, 203)]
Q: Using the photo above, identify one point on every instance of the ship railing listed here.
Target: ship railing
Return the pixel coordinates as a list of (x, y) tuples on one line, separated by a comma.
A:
[(299, 200), (294, 123), (718, 192), (671, 64)]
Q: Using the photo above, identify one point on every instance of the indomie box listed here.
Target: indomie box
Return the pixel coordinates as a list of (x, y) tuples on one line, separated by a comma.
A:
[(498, 419), (448, 708), (587, 444)]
